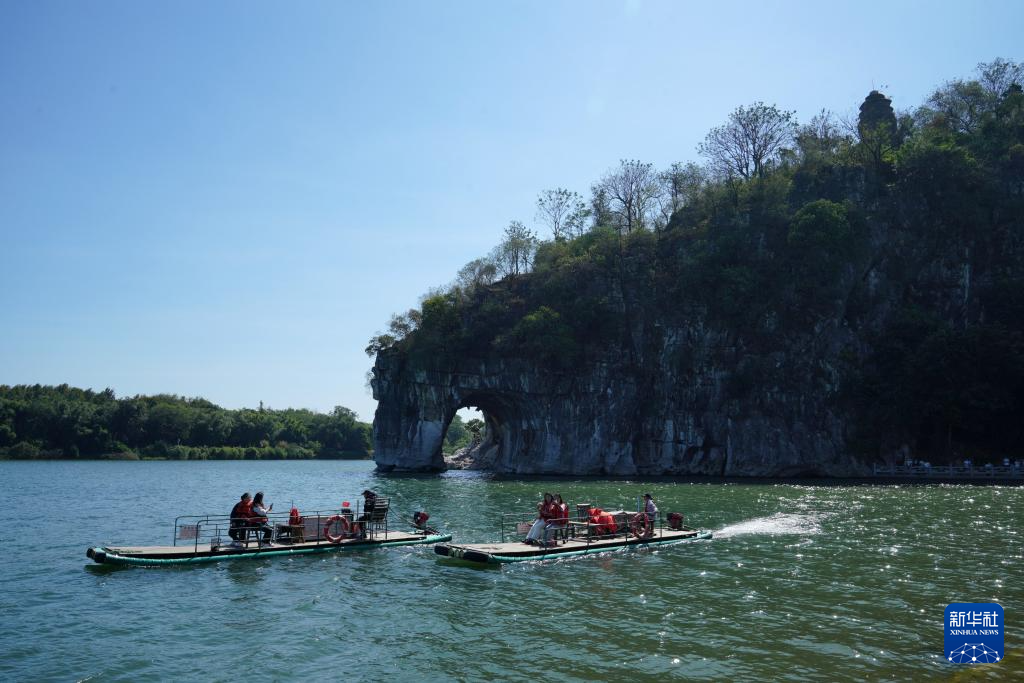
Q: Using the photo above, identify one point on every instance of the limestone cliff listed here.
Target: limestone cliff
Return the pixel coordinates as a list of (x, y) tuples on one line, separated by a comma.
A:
[(852, 306), (603, 419)]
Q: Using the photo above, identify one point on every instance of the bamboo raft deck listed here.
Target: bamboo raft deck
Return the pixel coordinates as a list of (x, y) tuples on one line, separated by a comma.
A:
[(170, 554), (204, 538), (502, 553)]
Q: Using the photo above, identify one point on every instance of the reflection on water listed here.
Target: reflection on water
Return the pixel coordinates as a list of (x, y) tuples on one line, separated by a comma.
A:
[(801, 582)]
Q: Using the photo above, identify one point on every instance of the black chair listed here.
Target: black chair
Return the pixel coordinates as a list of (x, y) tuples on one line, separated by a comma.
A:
[(377, 517), (564, 532), (243, 533)]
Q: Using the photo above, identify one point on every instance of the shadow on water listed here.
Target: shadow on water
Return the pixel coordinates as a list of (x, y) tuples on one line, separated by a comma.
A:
[(103, 569), (464, 564), (484, 475)]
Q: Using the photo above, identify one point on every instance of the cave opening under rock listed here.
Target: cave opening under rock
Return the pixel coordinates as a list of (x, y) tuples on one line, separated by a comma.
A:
[(500, 415)]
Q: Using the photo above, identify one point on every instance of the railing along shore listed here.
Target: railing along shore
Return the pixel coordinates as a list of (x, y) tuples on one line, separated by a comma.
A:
[(949, 471)]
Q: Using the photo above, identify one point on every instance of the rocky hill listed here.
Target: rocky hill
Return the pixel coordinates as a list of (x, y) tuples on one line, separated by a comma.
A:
[(857, 296)]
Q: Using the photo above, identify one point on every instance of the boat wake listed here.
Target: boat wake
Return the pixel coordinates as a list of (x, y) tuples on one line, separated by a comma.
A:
[(778, 524)]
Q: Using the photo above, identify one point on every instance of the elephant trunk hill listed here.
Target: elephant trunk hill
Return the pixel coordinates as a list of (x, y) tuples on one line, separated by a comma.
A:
[(859, 300)]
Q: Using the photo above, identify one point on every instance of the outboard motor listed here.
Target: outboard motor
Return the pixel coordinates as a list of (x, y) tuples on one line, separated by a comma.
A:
[(419, 520), (675, 520)]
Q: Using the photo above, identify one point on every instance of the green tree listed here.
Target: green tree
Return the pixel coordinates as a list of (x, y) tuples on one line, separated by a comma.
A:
[(750, 142), (563, 212), (211, 427), (254, 427), (168, 422), (514, 255), (633, 193), (543, 335)]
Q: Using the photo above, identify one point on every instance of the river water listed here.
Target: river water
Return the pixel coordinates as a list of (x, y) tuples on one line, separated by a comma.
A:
[(801, 582)]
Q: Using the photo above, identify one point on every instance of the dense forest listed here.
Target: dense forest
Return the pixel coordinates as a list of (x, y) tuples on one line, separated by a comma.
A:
[(897, 236), (62, 421)]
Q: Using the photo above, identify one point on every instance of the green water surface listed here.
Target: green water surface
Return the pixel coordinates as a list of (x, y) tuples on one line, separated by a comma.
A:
[(817, 583)]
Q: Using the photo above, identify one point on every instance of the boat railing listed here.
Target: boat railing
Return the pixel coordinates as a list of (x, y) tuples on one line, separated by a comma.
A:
[(215, 530), (516, 525)]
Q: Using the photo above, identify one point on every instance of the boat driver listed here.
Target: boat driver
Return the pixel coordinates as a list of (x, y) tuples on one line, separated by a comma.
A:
[(369, 503)]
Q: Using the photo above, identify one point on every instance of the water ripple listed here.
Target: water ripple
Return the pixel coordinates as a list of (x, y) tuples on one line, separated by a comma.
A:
[(801, 582)]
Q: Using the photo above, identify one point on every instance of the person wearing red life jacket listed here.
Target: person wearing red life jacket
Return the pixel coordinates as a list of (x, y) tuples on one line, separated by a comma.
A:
[(546, 511), (560, 520), (259, 517), (240, 515)]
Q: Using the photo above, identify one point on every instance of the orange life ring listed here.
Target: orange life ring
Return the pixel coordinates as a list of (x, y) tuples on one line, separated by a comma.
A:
[(638, 525), (346, 527)]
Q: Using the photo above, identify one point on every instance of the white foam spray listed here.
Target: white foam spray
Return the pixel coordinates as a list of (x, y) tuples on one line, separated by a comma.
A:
[(779, 524)]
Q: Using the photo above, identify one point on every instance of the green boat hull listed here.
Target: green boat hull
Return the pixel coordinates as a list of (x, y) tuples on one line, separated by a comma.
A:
[(105, 555), (475, 556)]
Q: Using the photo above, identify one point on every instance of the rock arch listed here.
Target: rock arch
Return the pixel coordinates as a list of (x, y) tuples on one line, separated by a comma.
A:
[(533, 420), (600, 420)]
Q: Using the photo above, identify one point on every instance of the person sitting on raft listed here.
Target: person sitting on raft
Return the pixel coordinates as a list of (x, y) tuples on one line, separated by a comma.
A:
[(259, 518), (240, 515), (546, 511), (561, 518), (563, 507)]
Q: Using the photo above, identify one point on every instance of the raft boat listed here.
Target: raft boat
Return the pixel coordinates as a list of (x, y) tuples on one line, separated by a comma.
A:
[(205, 538), (576, 538)]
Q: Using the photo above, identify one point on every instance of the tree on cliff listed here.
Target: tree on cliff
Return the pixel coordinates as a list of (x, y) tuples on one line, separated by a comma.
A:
[(633, 192), (476, 273), (514, 255), (600, 207), (563, 212), (821, 139), (681, 185), (965, 104), (750, 142)]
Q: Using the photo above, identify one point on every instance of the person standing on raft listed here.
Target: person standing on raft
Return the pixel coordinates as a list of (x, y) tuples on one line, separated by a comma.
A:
[(650, 514)]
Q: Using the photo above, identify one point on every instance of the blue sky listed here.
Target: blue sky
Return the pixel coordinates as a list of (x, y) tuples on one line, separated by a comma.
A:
[(227, 199)]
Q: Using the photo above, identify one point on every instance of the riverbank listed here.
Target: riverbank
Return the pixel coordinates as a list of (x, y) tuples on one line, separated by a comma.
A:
[(129, 456)]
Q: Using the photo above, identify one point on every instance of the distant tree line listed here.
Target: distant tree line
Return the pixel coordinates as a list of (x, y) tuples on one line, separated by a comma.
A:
[(61, 421), (788, 229)]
